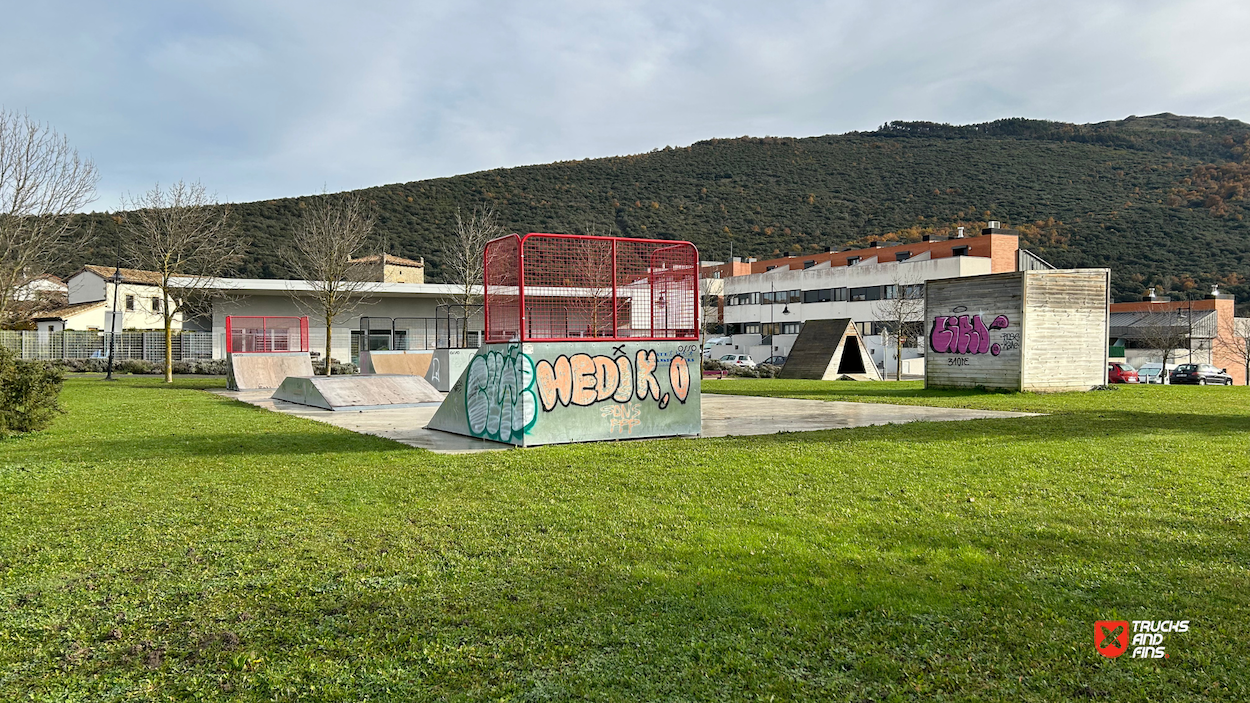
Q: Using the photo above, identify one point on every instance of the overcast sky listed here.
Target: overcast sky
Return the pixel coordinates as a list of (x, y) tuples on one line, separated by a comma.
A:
[(262, 99)]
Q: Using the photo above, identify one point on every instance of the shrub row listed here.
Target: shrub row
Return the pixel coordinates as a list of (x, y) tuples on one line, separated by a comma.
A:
[(206, 367), (758, 371)]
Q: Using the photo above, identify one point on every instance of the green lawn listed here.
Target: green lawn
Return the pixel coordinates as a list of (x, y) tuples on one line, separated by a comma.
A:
[(164, 543)]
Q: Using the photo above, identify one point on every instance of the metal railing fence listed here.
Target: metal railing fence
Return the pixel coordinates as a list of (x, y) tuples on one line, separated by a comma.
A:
[(70, 344)]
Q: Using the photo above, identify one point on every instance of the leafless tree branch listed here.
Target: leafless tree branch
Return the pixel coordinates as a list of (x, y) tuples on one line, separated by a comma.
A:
[(187, 238), (331, 232), (43, 181)]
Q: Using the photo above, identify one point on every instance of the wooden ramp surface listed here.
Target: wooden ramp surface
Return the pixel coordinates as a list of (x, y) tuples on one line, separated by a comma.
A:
[(245, 372), (357, 392)]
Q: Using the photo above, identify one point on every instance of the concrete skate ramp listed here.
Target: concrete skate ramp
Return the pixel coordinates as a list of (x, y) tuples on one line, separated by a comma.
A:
[(357, 392), (828, 350), (402, 363), (245, 372)]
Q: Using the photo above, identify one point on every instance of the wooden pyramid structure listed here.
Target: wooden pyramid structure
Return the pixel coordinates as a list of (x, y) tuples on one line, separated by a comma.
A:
[(828, 350)]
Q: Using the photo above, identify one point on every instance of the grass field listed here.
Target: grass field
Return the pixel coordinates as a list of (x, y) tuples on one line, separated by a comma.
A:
[(164, 543)]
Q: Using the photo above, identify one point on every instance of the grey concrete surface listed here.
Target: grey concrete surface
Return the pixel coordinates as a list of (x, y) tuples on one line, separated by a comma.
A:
[(723, 416)]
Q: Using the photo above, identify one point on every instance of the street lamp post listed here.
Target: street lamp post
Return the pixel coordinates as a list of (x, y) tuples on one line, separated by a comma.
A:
[(116, 279)]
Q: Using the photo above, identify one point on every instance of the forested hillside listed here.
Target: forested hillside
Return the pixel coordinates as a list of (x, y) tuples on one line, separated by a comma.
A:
[(1161, 199)]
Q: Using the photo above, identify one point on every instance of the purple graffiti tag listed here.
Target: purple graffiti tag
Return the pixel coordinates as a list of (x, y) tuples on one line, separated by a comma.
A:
[(941, 338), (964, 334)]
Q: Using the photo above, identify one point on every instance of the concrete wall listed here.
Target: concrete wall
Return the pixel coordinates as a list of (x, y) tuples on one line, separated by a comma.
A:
[(1065, 329), (557, 392), (283, 304), (1028, 330)]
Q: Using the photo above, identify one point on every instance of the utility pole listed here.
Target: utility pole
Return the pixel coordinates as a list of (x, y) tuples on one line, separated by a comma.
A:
[(116, 278)]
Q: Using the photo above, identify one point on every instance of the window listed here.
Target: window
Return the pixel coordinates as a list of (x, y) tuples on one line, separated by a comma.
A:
[(863, 294), (959, 251), (752, 328), (852, 260), (809, 263), (743, 299), (902, 256), (795, 296), (791, 327), (839, 295), (130, 303), (889, 292), (766, 298), (914, 291), (156, 305), (823, 295), (868, 329)]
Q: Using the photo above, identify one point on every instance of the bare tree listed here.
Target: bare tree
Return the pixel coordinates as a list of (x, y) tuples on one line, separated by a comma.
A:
[(1234, 341), (1164, 332), (901, 317), (42, 182), (187, 238), (332, 229), (465, 254), (711, 291), (591, 297)]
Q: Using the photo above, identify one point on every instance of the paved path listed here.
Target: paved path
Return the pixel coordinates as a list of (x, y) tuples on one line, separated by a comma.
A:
[(723, 416)]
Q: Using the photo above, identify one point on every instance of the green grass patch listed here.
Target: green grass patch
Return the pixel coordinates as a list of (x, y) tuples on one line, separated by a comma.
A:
[(163, 543)]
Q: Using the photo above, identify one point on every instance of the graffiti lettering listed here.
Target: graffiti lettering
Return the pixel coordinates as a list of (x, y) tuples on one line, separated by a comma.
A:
[(679, 378), (963, 335), (623, 418), (584, 380), (499, 397), (646, 362)]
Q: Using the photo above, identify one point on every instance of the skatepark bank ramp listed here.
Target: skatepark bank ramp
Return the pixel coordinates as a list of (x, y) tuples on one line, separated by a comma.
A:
[(357, 392)]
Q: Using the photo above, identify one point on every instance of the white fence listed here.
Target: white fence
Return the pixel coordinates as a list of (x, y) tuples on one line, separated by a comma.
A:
[(85, 345)]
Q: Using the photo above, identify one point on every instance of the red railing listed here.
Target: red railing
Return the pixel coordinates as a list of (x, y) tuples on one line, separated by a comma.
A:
[(258, 335), (562, 287)]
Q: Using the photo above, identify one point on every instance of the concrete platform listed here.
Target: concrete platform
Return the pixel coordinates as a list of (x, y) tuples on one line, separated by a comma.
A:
[(723, 416)]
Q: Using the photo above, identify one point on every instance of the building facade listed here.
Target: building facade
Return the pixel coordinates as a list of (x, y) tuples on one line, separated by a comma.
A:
[(765, 308)]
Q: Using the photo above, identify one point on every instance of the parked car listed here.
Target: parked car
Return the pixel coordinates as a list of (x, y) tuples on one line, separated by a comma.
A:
[(738, 360), (1149, 373), (776, 360), (1202, 375), (1120, 372)]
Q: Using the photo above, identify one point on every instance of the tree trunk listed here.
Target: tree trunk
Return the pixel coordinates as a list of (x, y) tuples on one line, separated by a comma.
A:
[(329, 333), (169, 349), (898, 359)]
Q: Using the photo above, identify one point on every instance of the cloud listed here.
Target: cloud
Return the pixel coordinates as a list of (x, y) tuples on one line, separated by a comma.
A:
[(271, 99)]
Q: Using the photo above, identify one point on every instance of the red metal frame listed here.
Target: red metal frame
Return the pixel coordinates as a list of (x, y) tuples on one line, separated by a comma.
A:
[(262, 332), (530, 282)]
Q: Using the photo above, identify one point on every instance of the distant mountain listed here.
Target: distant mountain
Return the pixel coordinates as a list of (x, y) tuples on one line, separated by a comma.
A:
[(1159, 199)]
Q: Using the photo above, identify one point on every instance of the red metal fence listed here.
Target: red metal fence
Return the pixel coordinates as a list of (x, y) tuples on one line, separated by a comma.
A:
[(562, 287), (254, 335)]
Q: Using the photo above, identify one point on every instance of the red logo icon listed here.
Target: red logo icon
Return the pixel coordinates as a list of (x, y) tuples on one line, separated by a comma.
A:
[(1111, 637)]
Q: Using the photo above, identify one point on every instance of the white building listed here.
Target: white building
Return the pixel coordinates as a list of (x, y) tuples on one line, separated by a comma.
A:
[(91, 294)]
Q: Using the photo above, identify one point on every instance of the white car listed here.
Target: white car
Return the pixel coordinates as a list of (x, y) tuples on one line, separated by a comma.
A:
[(1149, 373), (738, 360)]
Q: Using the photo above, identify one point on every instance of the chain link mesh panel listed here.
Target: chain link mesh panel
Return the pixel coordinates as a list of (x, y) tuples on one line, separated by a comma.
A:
[(578, 287), (248, 335)]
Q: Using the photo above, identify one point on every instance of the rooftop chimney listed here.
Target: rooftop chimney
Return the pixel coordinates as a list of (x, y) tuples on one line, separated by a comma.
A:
[(994, 224), (1151, 295), (872, 245), (1215, 291), (959, 234)]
